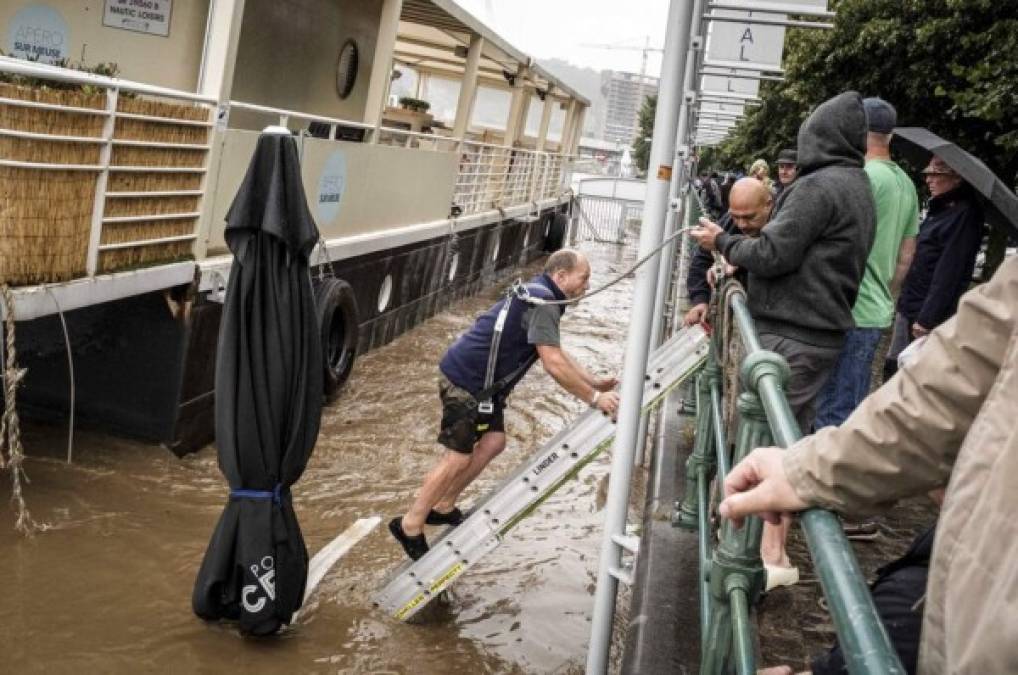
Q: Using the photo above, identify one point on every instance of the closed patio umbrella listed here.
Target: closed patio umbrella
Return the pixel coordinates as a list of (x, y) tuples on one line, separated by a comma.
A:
[(268, 397)]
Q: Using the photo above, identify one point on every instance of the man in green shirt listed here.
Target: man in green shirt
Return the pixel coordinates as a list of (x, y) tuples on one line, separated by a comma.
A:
[(888, 262)]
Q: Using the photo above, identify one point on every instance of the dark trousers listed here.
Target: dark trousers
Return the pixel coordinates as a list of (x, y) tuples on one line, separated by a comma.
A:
[(811, 367)]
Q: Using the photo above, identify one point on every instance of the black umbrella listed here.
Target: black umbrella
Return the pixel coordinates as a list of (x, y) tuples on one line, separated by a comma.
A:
[(1000, 203), (268, 397)]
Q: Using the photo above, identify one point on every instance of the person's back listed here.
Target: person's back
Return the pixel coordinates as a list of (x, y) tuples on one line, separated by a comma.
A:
[(806, 265), (897, 219)]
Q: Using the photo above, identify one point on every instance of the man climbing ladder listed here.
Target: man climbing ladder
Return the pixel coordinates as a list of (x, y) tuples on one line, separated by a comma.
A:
[(478, 372)]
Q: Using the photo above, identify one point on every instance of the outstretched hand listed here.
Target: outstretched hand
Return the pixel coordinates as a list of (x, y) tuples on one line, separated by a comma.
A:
[(758, 485)]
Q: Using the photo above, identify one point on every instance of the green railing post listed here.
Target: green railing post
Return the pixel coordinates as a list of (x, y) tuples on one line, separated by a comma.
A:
[(694, 511), (736, 572), (701, 460), (864, 641)]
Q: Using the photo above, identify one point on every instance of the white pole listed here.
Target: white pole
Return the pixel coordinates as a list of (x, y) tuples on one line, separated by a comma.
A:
[(637, 345)]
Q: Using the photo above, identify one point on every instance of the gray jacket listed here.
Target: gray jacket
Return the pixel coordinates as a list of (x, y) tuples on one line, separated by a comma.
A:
[(806, 265)]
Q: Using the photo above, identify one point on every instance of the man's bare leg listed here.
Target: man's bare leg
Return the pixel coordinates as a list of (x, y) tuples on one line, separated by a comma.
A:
[(489, 447), (436, 484), (772, 543)]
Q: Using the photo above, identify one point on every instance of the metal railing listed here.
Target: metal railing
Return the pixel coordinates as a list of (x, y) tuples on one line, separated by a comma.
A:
[(107, 142), (732, 574), (488, 176)]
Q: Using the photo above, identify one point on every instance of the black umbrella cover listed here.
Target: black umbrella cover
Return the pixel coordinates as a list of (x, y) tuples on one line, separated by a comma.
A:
[(268, 398)]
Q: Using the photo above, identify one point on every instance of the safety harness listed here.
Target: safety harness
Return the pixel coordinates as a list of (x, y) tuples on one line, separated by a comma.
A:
[(485, 397)]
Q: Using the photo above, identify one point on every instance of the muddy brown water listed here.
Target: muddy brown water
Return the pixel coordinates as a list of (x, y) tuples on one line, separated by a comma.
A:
[(106, 587)]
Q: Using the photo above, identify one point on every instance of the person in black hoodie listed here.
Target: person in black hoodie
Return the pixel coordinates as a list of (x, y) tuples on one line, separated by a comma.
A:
[(945, 256), (805, 268)]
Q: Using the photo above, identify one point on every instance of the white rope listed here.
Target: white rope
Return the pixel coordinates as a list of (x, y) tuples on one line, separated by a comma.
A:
[(10, 430)]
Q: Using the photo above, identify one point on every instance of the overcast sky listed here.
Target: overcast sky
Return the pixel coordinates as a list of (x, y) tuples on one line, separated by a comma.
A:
[(557, 29)]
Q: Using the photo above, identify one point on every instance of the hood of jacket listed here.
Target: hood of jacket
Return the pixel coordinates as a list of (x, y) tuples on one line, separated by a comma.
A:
[(834, 135)]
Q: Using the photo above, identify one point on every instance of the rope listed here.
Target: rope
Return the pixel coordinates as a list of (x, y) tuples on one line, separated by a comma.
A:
[(521, 292), (70, 372), (10, 430)]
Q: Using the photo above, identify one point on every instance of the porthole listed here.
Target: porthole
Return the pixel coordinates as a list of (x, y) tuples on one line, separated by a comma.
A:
[(454, 265), (346, 68), (385, 293)]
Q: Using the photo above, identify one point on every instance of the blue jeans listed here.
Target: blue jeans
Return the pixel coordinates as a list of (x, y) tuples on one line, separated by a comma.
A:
[(849, 384)]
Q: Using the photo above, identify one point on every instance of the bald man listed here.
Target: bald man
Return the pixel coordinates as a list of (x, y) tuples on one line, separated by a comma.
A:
[(474, 394), (749, 210)]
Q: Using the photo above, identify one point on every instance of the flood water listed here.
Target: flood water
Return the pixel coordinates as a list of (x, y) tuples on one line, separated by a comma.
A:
[(106, 587)]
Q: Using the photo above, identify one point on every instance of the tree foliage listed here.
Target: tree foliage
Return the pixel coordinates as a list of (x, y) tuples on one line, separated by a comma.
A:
[(644, 132), (947, 65)]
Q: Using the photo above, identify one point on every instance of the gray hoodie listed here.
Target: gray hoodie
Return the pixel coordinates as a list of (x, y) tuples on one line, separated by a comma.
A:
[(806, 265)]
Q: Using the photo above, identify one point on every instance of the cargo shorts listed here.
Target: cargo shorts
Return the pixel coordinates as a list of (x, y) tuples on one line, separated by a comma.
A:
[(462, 424)]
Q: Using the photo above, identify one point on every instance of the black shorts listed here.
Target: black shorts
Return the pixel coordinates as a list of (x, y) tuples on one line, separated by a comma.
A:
[(462, 424)]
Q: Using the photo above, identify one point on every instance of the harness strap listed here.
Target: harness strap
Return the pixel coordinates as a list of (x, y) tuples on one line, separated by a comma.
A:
[(485, 404)]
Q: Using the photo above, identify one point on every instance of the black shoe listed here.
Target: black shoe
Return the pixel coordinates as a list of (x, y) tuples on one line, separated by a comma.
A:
[(415, 547), (454, 517)]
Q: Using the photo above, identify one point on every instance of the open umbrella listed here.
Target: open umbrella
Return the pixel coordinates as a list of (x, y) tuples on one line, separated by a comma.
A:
[(268, 397), (999, 202)]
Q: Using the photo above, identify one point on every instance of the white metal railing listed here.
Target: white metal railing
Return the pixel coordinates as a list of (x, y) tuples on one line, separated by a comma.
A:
[(106, 140)]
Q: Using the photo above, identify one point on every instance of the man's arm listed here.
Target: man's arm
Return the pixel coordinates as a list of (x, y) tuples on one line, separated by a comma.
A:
[(783, 241), (904, 438), (575, 379), (905, 254), (598, 383)]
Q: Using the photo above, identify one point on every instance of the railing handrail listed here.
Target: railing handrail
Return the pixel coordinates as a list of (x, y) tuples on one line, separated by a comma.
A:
[(17, 66), (296, 114), (864, 641)]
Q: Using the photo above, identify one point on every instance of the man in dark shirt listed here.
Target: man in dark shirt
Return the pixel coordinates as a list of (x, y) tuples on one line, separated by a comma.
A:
[(750, 209), (945, 255), (472, 428)]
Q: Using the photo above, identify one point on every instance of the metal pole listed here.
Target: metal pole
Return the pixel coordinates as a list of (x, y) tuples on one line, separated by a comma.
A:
[(638, 343), (678, 178)]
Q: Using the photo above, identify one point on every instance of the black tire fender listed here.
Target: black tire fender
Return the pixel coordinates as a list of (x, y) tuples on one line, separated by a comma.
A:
[(556, 232), (338, 320)]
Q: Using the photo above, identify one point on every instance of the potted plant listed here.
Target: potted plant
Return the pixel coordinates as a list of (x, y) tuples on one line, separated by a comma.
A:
[(414, 104)]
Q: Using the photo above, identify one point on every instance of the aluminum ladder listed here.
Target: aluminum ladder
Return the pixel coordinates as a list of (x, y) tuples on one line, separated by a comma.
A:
[(416, 583)]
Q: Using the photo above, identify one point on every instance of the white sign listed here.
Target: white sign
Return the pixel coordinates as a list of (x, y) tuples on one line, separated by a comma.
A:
[(143, 16), (331, 186), (38, 33)]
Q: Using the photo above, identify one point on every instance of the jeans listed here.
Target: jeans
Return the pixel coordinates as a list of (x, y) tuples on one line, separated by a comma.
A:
[(849, 384)]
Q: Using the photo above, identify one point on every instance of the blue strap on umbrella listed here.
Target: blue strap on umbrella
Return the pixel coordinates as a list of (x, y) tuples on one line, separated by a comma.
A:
[(275, 494)]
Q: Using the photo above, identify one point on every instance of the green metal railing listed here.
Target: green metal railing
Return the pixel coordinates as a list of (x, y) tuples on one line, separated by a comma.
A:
[(732, 574)]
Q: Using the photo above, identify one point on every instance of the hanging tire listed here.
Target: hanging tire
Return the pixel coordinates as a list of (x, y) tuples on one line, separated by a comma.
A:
[(556, 232), (338, 321)]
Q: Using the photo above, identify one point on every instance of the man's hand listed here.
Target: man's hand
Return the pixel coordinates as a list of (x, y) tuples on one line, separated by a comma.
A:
[(695, 314), (608, 403), (712, 276), (919, 331), (605, 383), (706, 233), (759, 486)]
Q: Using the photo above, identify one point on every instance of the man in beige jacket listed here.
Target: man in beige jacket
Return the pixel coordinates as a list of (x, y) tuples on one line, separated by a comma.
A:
[(948, 418)]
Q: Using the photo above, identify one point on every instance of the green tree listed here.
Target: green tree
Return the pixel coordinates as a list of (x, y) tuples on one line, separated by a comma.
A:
[(947, 65), (644, 132)]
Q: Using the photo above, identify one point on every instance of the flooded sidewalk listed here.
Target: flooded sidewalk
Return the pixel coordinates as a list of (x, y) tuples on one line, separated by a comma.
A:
[(107, 587)]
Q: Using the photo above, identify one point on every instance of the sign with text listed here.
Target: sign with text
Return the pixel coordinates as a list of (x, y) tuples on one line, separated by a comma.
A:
[(38, 33), (142, 16)]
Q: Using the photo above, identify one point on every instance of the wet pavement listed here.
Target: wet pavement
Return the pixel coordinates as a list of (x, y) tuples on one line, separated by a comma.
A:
[(106, 586)]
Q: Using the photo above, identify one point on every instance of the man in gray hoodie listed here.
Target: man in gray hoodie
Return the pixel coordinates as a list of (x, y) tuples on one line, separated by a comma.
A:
[(805, 268), (806, 265)]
